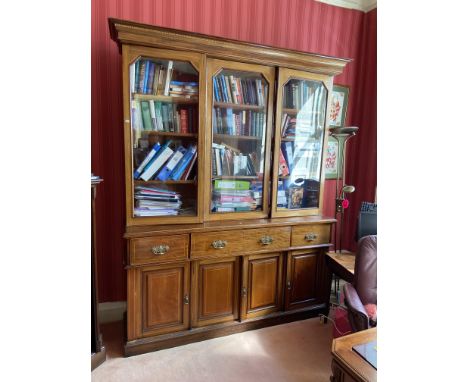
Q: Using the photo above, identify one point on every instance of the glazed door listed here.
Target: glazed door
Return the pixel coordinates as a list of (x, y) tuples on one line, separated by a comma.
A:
[(163, 135), (239, 113), (301, 279), (164, 299), (300, 137), (215, 291), (261, 290)]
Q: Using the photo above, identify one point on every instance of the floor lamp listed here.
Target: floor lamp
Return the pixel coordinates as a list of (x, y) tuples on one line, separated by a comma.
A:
[(341, 134)]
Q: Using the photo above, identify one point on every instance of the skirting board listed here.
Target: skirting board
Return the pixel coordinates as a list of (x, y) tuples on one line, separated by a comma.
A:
[(111, 311)]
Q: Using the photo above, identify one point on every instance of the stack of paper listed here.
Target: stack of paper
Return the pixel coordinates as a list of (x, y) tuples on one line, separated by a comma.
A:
[(151, 201)]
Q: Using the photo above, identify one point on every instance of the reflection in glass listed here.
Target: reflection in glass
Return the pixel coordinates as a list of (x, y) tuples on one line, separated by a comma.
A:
[(238, 148), (302, 134), (164, 120)]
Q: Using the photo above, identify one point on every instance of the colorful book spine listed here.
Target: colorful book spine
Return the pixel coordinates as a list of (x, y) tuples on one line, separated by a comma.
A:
[(221, 184), (151, 154), (168, 77), (229, 121), (188, 171), (147, 72), (184, 121), (177, 173), (153, 114), (146, 115), (149, 86), (157, 162), (172, 163), (141, 79)]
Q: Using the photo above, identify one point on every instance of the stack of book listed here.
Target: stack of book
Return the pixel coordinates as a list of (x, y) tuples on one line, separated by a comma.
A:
[(164, 163), (183, 89), (151, 201), (164, 116), (232, 196), (244, 122), (229, 161), (246, 91)]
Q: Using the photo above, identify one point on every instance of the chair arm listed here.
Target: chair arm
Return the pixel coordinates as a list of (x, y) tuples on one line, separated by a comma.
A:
[(358, 318)]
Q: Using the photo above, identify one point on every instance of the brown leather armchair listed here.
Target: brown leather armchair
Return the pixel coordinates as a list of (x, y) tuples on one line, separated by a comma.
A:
[(361, 295)]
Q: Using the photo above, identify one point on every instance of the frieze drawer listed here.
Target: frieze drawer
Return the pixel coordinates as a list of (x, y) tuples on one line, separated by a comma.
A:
[(158, 249), (216, 244), (267, 238), (310, 235)]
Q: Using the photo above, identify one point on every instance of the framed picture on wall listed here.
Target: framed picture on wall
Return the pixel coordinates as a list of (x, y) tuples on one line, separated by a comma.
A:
[(331, 159), (339, 105)]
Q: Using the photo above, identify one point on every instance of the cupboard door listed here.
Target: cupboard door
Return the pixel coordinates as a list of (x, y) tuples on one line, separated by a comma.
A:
[(165, 299), (240, 104), (300, 143), (261, 290), (215, 291), (163, 135), (301, 279)]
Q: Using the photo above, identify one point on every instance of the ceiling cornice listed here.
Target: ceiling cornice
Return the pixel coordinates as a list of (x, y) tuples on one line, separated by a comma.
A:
[(360, 5)]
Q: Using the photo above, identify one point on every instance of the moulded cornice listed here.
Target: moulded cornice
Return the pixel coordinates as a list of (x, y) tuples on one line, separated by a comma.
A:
[(361, 5)]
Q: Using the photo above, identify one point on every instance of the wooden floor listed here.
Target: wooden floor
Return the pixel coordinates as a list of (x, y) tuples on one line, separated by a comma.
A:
[(298, 351)]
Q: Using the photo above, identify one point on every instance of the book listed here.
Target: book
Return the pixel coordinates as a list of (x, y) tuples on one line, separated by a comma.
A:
[(157, 162), (149, 84), (171, 163), (141, 79), (188, 171), (159, 118), (168, 78), (183, 163), (151, 154), (146, 115), (154, 86), (287, 150), (153, 114), (136, 77), (283, 166), (231, 184)]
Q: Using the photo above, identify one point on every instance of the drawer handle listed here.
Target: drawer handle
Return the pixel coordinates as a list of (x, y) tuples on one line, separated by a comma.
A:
[(266, 240), (288, 285), (310, 236), (244, 291), (186, 299), (218, 244), (160, 249)]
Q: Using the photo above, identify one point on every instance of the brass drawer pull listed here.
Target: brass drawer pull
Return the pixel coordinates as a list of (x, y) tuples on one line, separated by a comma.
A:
[(310, 236), (266, 240), (218, 244), (186, 299), (160, 249), (244, 292)]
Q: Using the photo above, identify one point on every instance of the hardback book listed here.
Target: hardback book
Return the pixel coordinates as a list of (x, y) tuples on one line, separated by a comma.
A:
[(170, 116), (183, 163), (157, 162), (283, 166), (165, 116), (154, 87), (187, 173), (153, 114), (136, 78), (146, 115), (147, 74), (168, 78), (171, 163), (149, 84), (183, 121), (235, 96), (141, 79), (151, 154), (159, 117)]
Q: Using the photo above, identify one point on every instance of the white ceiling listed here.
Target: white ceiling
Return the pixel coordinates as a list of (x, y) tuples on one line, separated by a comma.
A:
[(361, 5)]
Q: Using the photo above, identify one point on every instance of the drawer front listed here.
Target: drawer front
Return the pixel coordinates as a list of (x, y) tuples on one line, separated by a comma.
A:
[(216, 244), (267, 238), (310, 235), (159, 249)]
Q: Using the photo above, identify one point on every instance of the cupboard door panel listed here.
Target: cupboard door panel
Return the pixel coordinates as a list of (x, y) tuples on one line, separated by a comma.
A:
[(262, 280), (217, 290), (165, 299), (301, 281)]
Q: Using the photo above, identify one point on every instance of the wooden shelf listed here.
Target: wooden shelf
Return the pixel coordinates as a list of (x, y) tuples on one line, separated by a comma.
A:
[(290, 111), (237, 137), (288, 139), (239, 177), (295, 111), (143, 182), (238, 106), (167, 99), (171, 134)]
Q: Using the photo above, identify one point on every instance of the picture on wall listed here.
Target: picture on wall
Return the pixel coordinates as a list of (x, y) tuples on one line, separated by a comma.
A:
[(339, 105), (331, 160)]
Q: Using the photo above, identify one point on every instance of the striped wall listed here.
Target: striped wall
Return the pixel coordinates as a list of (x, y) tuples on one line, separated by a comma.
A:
[(295, 24)]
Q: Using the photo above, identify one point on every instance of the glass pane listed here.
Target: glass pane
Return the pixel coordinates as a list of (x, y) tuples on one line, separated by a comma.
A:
[(302, 134), (164, 120), (238, 148)]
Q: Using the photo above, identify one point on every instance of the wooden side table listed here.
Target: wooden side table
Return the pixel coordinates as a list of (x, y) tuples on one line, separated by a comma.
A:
[(98, 351), (347, 365)]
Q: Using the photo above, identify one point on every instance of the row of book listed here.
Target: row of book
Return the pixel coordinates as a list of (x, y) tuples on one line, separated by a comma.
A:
[(299, 93), (228, 161), (162, 116), (164, 163), (149, 77), (244, 91), (245, 122), (236, 195), (153, 201), (303, 126)]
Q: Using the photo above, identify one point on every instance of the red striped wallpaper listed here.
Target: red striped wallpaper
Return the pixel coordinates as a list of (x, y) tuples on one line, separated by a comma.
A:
[(295, 24)]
